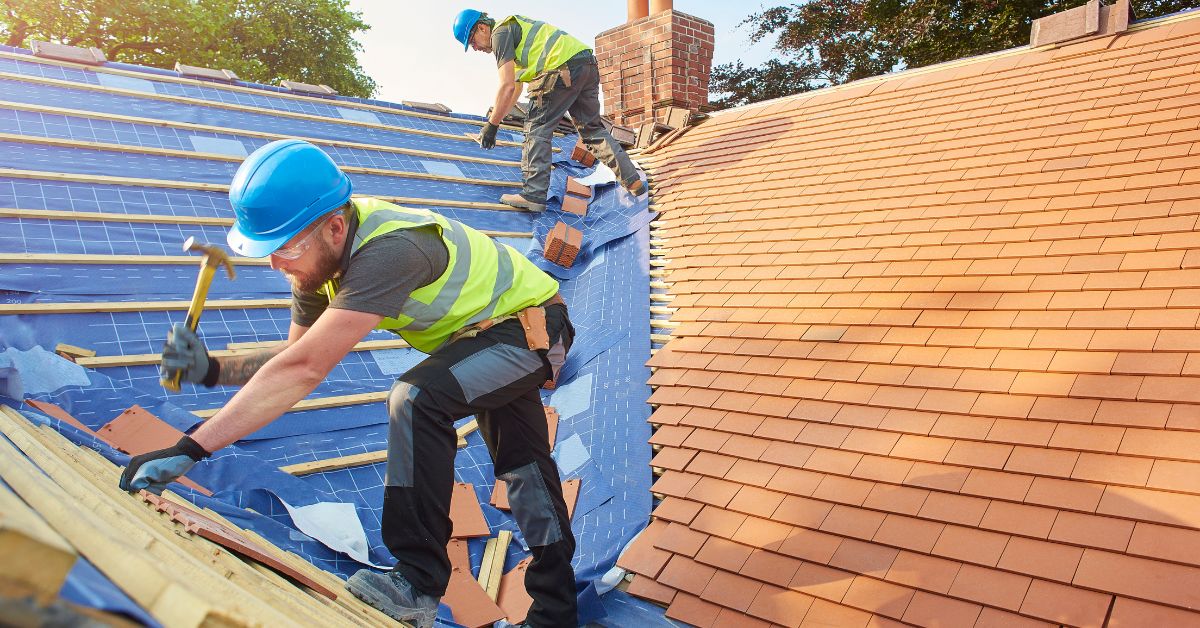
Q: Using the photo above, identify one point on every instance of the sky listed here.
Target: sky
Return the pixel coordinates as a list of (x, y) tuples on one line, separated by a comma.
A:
[(411, 52)]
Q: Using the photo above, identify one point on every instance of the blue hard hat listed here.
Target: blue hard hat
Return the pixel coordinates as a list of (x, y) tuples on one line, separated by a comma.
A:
[(463, 24), (279, 190)]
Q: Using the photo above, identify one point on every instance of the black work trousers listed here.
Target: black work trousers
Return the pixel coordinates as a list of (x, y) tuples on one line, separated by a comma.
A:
[(495, 377)]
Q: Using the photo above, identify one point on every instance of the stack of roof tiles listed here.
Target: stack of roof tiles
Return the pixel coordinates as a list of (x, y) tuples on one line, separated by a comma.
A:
[(562, 244), (937, 359)]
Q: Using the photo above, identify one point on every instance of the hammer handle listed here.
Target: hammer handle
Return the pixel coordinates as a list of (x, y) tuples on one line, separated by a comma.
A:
[(193, 316)]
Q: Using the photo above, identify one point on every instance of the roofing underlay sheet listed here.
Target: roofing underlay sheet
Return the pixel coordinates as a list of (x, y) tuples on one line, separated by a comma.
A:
[(141, 126)]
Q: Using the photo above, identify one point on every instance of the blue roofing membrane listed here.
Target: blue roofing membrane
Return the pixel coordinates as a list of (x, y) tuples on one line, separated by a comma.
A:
[(602, 437)]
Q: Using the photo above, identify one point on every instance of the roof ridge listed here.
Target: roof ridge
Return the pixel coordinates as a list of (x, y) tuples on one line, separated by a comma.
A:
[(1165, 20)]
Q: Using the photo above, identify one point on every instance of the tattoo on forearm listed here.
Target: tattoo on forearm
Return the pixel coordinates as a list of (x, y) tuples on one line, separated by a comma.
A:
[(237, 370)]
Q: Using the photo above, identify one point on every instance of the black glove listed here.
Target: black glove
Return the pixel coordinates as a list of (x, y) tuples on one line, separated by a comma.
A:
[(155, 470), (487, 136), (184, 353)]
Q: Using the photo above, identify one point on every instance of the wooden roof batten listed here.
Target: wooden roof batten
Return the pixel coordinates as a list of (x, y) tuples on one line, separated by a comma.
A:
[(964, 409)]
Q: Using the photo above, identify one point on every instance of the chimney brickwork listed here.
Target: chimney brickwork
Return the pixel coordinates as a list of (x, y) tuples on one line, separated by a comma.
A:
[(652, 63)]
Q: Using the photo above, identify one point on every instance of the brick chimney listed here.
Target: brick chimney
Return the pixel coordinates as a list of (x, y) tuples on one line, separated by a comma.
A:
[(659, 58)]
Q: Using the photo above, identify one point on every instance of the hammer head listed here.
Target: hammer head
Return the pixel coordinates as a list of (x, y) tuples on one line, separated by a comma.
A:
[(213, 255)]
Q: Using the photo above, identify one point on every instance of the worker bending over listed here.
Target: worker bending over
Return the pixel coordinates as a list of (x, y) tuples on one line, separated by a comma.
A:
[(563, 78), (361, 264)]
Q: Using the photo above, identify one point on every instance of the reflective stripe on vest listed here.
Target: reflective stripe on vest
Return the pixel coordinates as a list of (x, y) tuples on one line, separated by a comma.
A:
[(483, 278), (548, 46)]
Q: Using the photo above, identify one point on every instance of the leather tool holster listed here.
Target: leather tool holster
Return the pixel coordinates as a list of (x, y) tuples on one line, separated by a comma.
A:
[(533, 319)]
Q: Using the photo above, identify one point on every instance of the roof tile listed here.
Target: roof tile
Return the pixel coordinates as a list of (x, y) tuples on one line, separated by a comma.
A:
[(971, 545), (991, 587), (1068, 605), (878, 596), (678, 510), (924, 572), (686, 574), (780, 606), (693, 610), (720, 522), (825, 613), (1040, 558), (863, 558), (732, 591), (908, 532), (927, 609), (1018, 519)]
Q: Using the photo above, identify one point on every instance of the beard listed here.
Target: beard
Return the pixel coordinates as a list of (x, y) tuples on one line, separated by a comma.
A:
[(327, 265)]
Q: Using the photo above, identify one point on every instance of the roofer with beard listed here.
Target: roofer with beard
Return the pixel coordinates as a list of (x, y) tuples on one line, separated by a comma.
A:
[(358, 264)]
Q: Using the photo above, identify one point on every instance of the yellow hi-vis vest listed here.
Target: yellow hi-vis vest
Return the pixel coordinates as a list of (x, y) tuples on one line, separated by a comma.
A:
[(542, 47), (483, 279)]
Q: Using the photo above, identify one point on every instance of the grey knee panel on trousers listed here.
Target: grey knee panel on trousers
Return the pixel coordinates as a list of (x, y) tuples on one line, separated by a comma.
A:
[(494, 368), (400, 434), (531, 505)]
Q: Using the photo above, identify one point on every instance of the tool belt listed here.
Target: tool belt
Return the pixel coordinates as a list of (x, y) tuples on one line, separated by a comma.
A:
[(533, 321), (543, 84)]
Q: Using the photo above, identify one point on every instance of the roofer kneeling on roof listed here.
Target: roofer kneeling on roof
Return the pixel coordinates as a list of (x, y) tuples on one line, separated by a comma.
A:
[(562, 77), (361, 264)]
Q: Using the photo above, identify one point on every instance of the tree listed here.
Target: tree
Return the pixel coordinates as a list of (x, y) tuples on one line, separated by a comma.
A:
[(830, 42), (261, 40)]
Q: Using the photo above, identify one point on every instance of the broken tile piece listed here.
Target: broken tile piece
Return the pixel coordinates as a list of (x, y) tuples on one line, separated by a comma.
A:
[(468, 601), (465, 513), (514, 600)]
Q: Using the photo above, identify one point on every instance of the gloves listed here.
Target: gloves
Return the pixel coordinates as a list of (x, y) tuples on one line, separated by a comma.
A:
[(184, 352), (155, 470), (487, 136)]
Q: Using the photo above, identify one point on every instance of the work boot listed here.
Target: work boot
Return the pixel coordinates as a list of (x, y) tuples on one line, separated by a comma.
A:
[(392, 594), (520, 202), (636, 187)]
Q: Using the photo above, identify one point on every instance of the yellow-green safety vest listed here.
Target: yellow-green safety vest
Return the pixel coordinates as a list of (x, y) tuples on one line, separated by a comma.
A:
[(483, 279), (542, 47)]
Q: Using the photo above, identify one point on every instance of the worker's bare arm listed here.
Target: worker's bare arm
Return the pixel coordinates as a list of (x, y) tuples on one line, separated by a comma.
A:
[(279, 382), (507, 92), (237, 370)]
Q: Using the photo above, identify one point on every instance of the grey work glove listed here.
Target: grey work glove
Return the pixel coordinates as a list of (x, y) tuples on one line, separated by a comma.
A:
[(184, 352), (487, 136), (153, 471)]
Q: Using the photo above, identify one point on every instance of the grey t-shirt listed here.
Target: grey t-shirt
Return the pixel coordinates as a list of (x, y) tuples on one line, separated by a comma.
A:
[(504, 42), (379, 277)]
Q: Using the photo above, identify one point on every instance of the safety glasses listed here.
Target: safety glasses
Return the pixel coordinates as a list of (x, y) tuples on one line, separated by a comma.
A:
[(296, 250)]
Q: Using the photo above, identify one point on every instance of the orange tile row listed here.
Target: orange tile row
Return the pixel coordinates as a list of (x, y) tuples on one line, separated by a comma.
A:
[(1058, 136), (1068, 423), (1112, 75), (867, 542)]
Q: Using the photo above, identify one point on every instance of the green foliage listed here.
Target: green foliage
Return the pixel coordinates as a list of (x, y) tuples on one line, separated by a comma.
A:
[(261, 40), (830, 42)]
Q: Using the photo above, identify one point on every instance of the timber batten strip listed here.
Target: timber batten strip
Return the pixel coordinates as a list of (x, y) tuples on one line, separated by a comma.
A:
[(221, 187), (359, 460), (192, 126), (137, 306), (257, 91), (186, 154), (57, 214), (279, 113)]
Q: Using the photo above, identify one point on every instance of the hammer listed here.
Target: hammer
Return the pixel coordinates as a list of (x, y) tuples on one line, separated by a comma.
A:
[(214, 256)]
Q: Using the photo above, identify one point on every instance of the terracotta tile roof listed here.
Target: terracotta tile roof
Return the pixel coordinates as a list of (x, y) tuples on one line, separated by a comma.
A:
[(937, 358)]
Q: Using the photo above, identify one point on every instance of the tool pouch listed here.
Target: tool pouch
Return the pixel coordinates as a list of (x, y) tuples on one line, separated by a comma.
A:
[(533, 319), (541, 85)]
